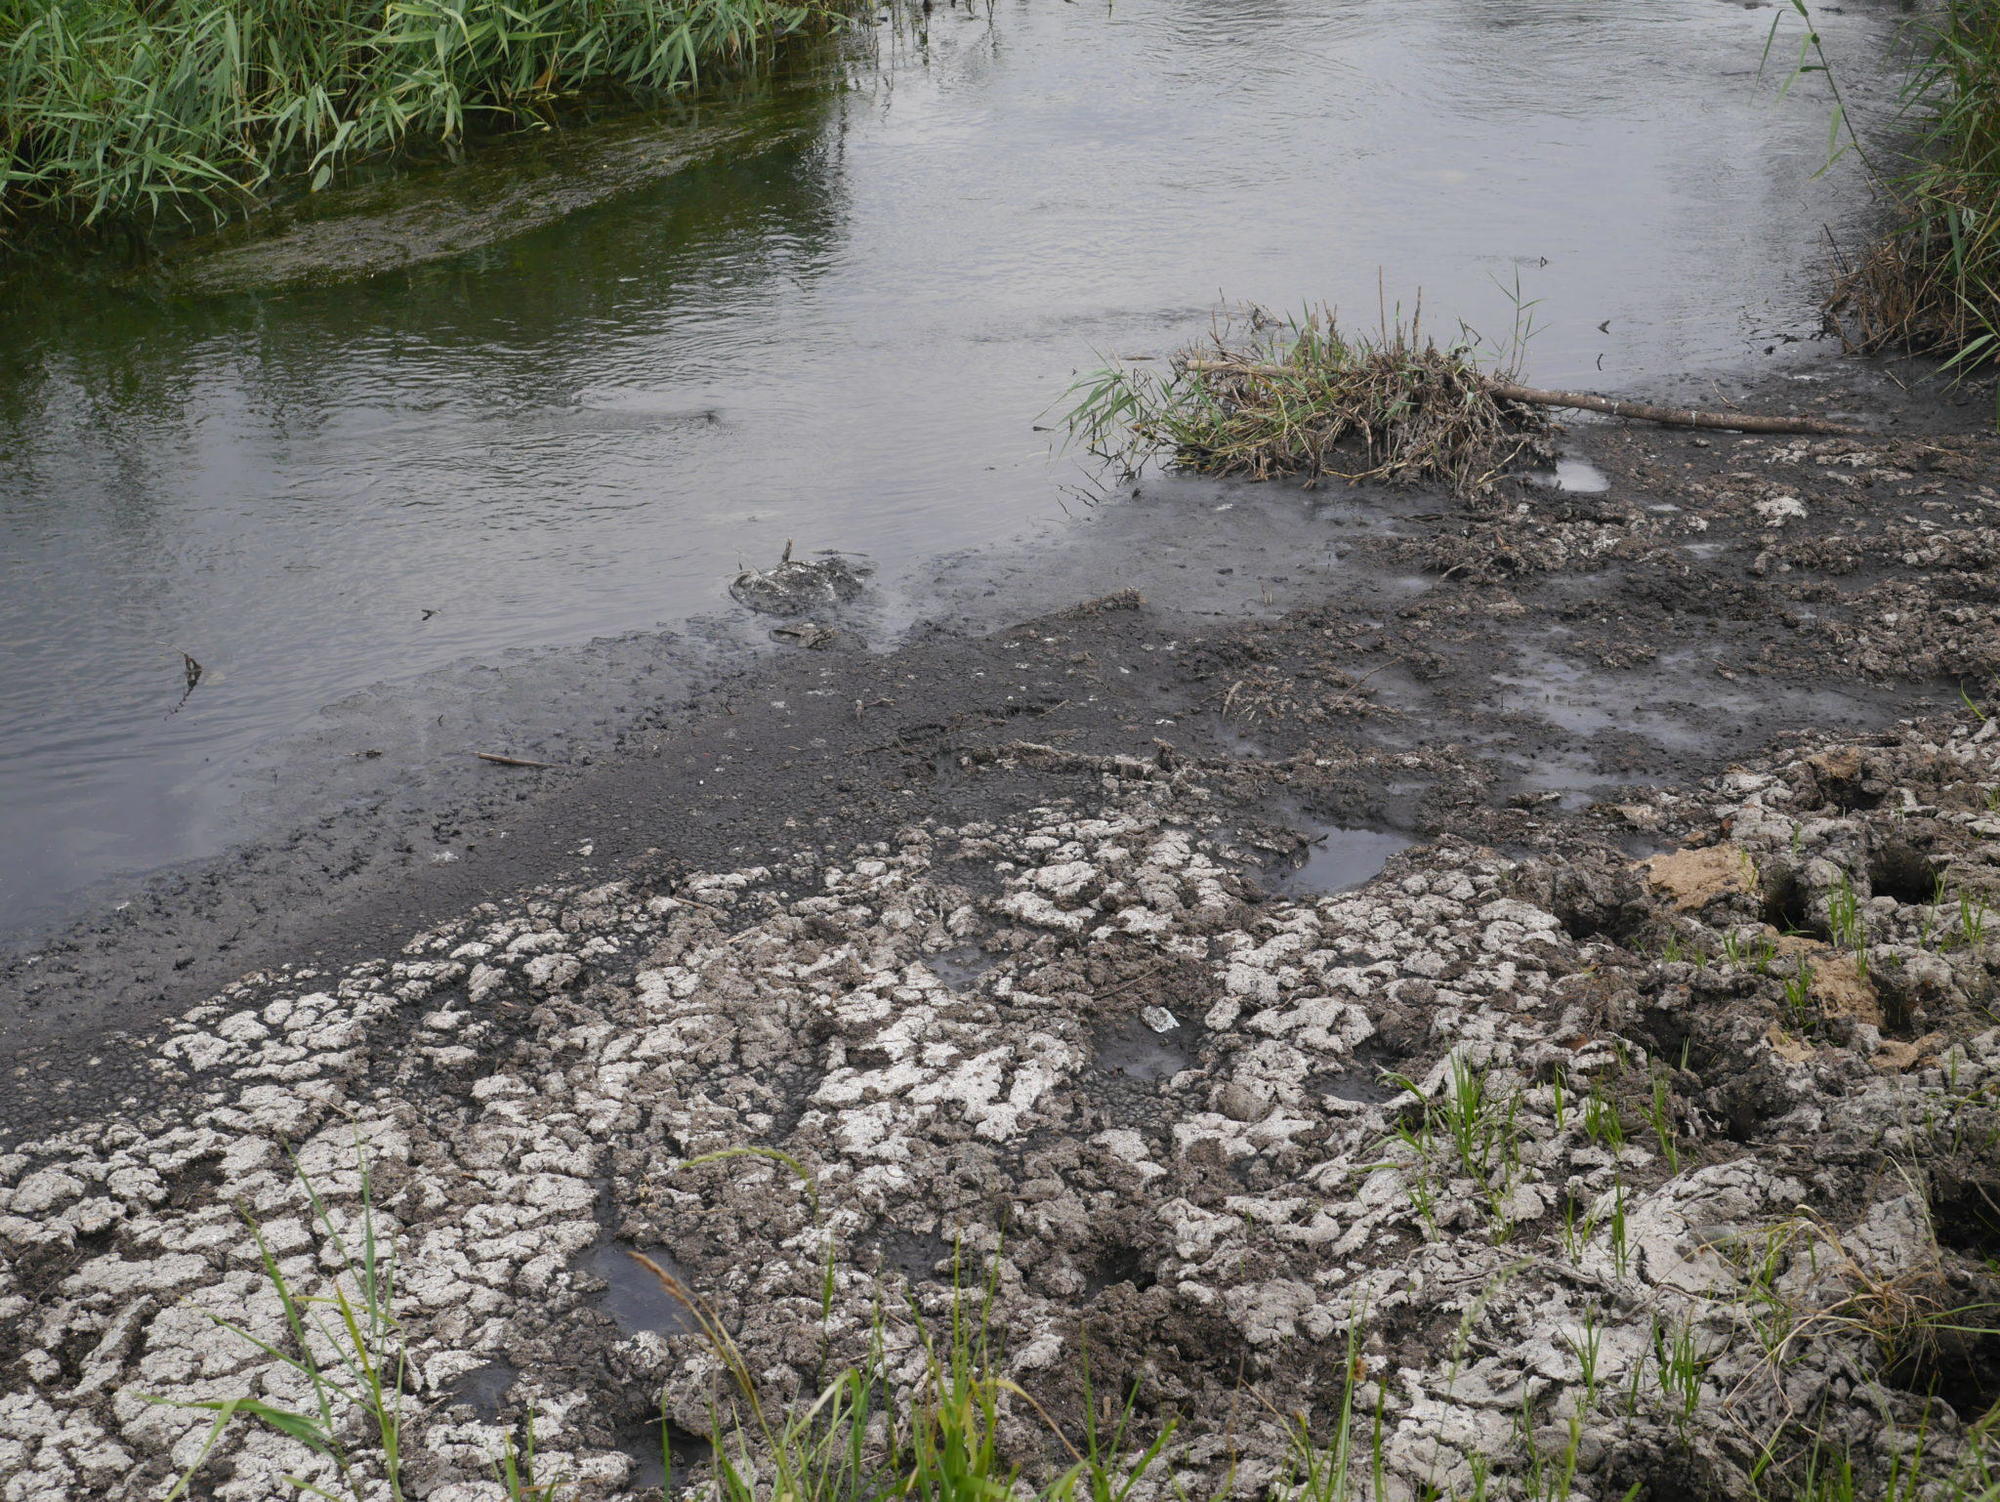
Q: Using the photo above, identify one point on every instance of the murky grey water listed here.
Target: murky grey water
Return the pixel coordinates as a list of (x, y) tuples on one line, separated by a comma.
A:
[(841, 329)]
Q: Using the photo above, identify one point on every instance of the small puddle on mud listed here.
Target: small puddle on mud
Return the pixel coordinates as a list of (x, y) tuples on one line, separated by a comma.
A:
[(633, 1297), (1573, 477), (1675, 703), (1361, 1085), (1338, 860), (1582, 702), (485, 1389), (960, 968), (1134, 1049), (684, 1452)]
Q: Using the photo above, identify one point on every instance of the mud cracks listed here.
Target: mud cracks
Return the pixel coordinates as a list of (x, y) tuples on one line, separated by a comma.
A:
[(1648, 1170)]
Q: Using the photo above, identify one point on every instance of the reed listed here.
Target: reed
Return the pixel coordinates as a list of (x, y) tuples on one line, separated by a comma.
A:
[(137, 111), (1931, 282)]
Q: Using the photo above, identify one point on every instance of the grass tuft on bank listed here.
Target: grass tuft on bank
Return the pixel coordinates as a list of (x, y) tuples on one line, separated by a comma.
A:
[(137, 111), (1300, 397)]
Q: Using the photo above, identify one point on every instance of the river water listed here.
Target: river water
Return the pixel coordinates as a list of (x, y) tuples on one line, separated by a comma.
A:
[(609, 375)]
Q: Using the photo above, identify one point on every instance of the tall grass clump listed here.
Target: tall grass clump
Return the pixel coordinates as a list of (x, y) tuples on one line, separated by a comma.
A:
[(1302, 397), (141, 110), (1931, 283)]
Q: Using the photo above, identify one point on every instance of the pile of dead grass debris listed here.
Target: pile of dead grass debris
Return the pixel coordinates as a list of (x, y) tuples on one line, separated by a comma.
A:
[(1265, 398)]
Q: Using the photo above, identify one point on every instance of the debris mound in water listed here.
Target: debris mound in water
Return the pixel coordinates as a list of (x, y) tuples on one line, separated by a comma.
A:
[(1309, 400), (795, 587)]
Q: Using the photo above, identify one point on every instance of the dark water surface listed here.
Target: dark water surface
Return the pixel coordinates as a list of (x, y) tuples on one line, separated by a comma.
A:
[(840, 327)]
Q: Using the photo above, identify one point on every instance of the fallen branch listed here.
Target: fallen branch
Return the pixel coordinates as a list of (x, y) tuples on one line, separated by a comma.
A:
[(1676, 417), (1535, 396), (510, 761)]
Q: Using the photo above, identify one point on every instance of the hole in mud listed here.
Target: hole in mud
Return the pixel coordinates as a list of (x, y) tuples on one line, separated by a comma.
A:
[(1898, 869), (1788, 909), (635, 1299), (1672, 1036), (195, 1180), (1135, 1049), (918, 1256), (1966, 1212), (485, 1389), (1337, 859), (1592, 901), (1656, 1479), (1118, 1264), (1842, 786), (1958, 1365)]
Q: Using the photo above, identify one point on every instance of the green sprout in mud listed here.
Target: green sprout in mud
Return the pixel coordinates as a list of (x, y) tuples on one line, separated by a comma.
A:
[(1957, 1122), (1846, 924), (1674, 952), (349, 1345), (1416, 1136), (1659, 1112), (1917, 1470), (1761, 1257), (1578, 1227), (349, 1348), (1752, 956), (1972, 914), (1621, 1246), (1800, 1008), (1320, 1473), (1482, 1132), (1552, 1478), (1479, 1125), (1679, 1366), (1601, 1121), (1929, 916)]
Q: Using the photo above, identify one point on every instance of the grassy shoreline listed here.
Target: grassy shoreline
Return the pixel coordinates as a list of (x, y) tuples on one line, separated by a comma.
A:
[(130, 113), (1930, 283)]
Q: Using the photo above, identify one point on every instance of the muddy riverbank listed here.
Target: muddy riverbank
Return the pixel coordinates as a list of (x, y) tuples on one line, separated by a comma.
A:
[(1548, 644), (1119, 929), (389, 453)]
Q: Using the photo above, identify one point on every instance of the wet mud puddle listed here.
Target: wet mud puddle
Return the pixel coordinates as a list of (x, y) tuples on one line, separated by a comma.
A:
[(1146, 1048), (355, 504), (633, 1296), (1336, 859), (1574, 477)]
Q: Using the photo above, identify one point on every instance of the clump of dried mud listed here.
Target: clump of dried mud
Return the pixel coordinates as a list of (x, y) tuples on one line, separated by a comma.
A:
[(1665, 1164)]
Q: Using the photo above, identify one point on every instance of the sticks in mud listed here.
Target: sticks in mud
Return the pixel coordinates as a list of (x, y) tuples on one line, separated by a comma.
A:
[(1535, 396)]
